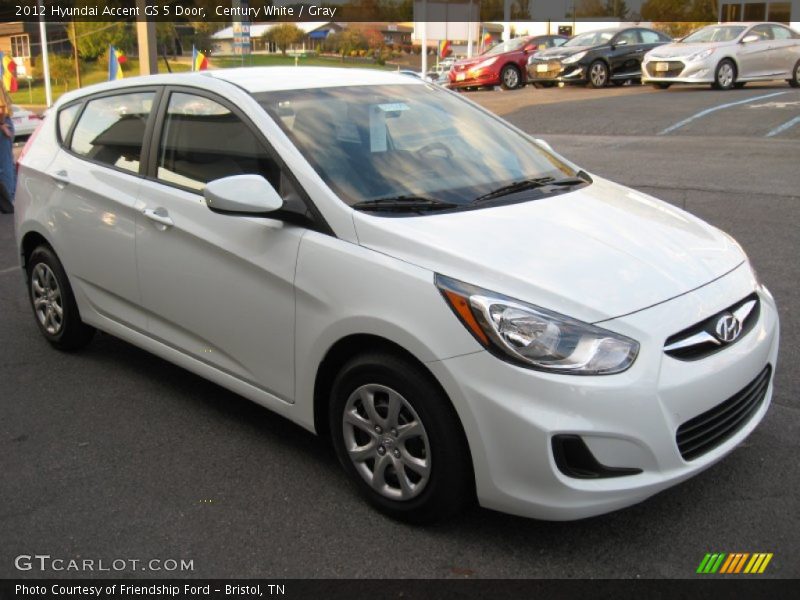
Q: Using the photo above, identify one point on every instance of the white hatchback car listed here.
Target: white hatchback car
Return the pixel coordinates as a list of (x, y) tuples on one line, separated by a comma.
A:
[(465, 312)]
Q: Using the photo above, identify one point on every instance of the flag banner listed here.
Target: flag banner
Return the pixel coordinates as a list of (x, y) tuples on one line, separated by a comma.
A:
[(444, 49), (199, 60), (8, 70), (115, 61), (453, 11)]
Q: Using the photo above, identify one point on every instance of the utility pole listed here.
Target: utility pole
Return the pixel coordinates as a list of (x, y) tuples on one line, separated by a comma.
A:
[(48, 92), (75, 54), (146, 38)]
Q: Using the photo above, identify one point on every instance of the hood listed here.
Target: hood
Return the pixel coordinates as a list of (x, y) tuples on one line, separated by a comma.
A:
[(596, 253), (466, 63), (677, 50), (562, 52)]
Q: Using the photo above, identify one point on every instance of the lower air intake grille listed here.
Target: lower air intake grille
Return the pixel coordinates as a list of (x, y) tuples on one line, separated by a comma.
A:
[(708, 430)]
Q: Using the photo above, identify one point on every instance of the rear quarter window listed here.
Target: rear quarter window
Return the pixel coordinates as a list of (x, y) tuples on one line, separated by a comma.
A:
[(66, 117)]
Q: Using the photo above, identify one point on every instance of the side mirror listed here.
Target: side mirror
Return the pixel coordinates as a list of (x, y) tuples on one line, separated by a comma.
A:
[(750, 38), (530, 48), (243, 195)]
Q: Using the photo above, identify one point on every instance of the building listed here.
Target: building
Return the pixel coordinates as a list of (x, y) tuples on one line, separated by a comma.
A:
[(315, 31), (782, 12), (20, 40)]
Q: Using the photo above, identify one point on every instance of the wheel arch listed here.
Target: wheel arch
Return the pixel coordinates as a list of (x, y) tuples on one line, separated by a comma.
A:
[(30, 241), (513, 65)]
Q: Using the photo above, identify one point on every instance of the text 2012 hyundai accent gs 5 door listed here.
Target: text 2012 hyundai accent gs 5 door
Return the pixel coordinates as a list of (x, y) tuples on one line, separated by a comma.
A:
[(465, 312)]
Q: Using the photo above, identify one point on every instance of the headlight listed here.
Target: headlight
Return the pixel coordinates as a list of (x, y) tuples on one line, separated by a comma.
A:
[(700, 55), (535, 337), (573, 58), (486, 63)]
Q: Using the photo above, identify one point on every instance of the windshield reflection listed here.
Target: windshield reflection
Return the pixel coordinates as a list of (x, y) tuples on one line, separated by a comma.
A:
[(412, 140)]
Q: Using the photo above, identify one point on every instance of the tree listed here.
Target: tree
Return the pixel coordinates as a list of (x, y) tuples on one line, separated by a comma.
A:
[(61, 69), (203, 30), (616, 8), (93, 39), (166, 36), (590, 8), (664, 10), (283, 35)]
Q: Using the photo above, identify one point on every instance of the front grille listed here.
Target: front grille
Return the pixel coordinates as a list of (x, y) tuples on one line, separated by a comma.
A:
[(675, 68), (700, 340), (709, 429)]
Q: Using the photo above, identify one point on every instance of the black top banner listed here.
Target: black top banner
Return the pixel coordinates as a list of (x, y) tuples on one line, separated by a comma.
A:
[(396, 10)]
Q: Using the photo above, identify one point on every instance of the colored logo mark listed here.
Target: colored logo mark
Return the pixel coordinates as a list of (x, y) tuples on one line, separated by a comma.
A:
[(735, 562)]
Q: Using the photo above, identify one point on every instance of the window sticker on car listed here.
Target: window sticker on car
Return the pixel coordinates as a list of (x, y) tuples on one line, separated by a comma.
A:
[(346, 131), (394, 107), (377, 129)]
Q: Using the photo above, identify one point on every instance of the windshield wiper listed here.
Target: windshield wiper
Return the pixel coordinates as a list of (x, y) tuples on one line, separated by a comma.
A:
[(407, 203), (532, 184)]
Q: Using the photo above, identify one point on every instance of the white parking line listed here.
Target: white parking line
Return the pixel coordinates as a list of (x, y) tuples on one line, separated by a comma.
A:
[(707, 111), (781, 128), (9, 270)]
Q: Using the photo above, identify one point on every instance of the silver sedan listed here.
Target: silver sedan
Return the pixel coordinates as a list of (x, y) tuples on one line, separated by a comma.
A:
[(727, 55)]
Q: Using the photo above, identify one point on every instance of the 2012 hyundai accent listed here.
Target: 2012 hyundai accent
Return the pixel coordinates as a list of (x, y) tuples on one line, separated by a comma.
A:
[(466, 313)]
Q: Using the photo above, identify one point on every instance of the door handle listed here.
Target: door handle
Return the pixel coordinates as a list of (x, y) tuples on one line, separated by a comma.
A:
[(60, 177), (159, 215)]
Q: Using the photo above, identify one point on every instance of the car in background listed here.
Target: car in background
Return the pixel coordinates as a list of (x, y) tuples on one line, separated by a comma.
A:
[(727, 55), (503, 64), (25, 122), (597, 57)]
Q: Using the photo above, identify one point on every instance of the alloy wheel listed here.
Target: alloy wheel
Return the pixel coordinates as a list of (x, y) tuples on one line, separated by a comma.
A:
[(725, 75), (47, 302), (598, 74), (386, 441), (511, 78)]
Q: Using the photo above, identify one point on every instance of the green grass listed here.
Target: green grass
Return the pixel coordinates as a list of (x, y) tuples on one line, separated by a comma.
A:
[(90, 74), (278, 60)]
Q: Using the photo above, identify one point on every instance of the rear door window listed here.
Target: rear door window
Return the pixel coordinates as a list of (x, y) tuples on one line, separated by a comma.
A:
[(65, 120), (111, 130)]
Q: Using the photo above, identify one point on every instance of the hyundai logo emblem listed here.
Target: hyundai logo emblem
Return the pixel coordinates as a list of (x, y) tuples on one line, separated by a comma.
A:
[(728, 328)]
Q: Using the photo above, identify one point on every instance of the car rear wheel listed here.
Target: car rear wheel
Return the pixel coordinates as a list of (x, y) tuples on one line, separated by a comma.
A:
[(725, 75), (399, 440), (510, 77), (53, 302), (795, 80), (598, 74)]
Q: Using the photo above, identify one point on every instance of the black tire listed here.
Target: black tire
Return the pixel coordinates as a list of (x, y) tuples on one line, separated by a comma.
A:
[(450, 483), (724, 75), (510, 77), (619, 82), (598, 74), (661, 86), (739, 84), (795, 80), (69, 333)]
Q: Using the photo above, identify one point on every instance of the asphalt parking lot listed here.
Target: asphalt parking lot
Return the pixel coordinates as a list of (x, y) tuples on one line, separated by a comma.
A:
[(113, 453)]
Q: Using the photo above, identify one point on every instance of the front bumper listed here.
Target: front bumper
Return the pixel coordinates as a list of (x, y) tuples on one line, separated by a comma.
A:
[(673, 70), (555, 72), (511, 414), (473, 78)]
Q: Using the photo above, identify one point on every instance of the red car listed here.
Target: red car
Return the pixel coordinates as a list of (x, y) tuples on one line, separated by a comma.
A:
[(503, 64)]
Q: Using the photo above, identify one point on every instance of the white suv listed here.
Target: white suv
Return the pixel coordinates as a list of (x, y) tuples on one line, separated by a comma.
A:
[(465, 312)]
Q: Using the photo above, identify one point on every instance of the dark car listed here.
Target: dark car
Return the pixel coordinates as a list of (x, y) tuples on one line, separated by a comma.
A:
[(502, 64), (597, 57)]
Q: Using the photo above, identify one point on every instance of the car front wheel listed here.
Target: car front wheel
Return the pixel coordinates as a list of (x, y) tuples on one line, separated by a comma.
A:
[(510, 77), (598, 74), (725, 75), (53, 302), (399, 440)]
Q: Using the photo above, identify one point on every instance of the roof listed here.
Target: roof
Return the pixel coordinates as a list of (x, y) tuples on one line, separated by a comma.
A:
[(259, 29), (258, 79)]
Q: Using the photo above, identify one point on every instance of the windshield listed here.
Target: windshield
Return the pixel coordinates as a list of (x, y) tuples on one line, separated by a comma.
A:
[(714, 33), (508, 46), (416, 141), (594, 38)]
